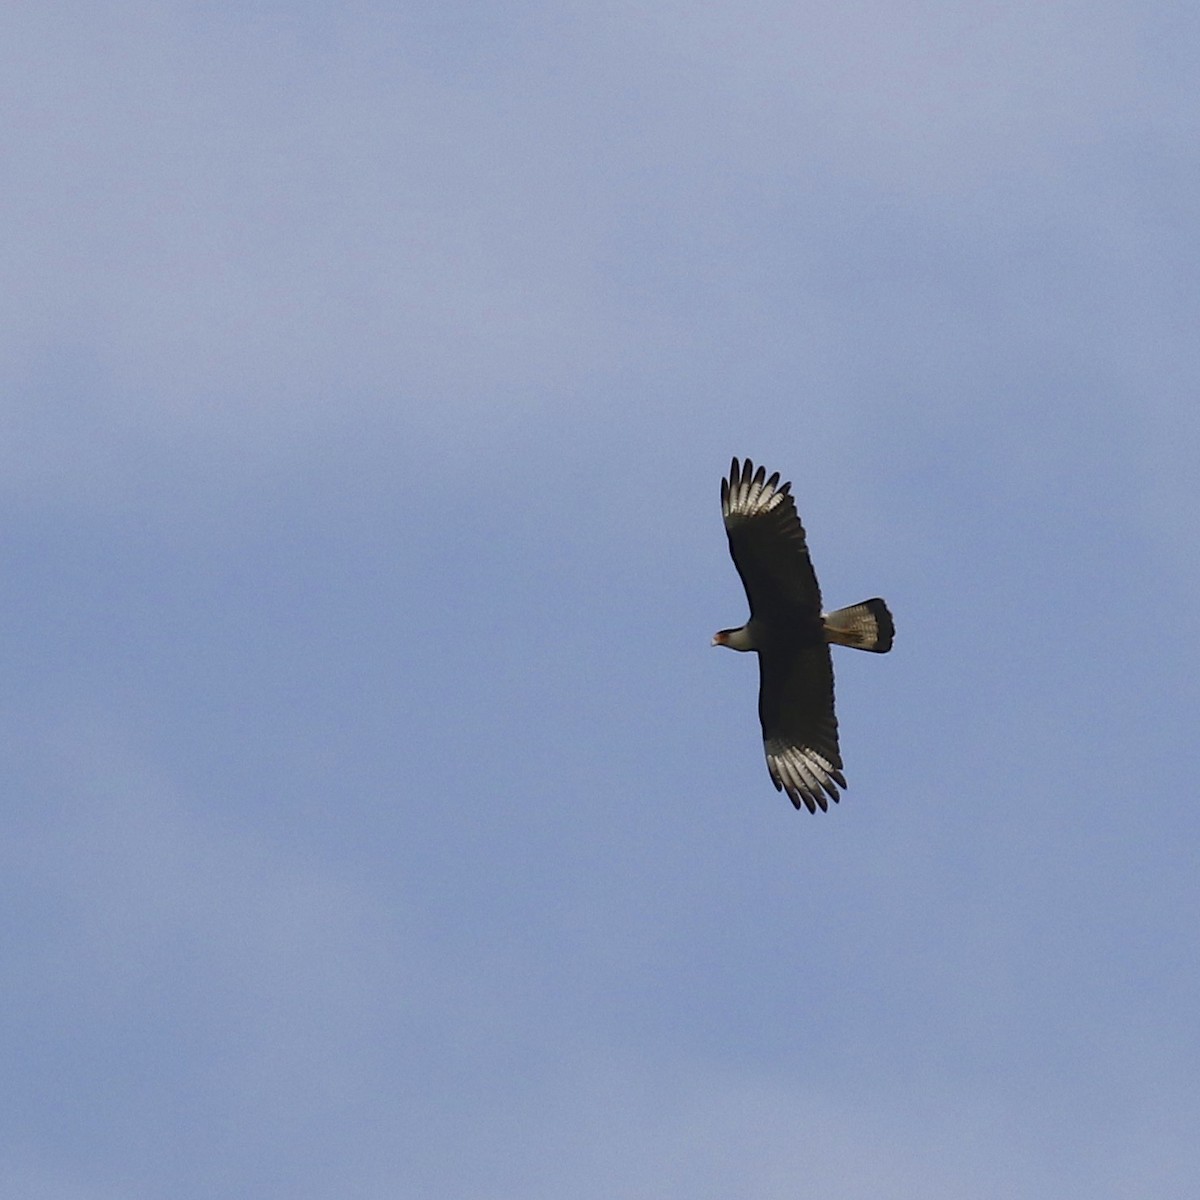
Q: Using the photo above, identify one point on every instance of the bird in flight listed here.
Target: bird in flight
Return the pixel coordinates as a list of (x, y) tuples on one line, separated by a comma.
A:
[(791, 635)]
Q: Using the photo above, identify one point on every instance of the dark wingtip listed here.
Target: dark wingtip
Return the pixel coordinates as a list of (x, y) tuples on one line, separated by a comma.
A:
[(805, 800)]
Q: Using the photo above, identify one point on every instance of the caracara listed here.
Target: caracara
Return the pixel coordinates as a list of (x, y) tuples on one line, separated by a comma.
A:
[(791, 635)]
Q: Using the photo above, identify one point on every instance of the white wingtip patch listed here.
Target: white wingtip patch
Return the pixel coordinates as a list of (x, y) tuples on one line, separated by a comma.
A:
[(803, 774), (750, 494)]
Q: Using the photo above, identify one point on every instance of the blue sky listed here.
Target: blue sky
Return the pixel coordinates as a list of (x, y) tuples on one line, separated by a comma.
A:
[(379, 822)]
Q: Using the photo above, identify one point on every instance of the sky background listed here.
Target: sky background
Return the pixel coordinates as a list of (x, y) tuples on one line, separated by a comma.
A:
[(378, 821)]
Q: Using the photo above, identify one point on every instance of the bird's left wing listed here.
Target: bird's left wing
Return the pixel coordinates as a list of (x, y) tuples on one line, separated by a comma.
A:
[(767, 542)]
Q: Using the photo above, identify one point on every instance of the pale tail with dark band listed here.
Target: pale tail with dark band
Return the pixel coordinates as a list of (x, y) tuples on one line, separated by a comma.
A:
[(865, 626)]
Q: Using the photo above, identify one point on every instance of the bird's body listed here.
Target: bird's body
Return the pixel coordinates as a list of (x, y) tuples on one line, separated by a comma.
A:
[(791, 635)]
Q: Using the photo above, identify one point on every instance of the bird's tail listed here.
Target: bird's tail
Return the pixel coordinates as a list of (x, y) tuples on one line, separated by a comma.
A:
[(865, 626)]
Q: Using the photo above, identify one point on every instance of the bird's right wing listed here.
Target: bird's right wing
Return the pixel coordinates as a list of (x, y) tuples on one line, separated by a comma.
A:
[(800, 738)]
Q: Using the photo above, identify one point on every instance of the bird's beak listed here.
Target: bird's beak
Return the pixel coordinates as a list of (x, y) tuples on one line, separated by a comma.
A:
[(718, 639)]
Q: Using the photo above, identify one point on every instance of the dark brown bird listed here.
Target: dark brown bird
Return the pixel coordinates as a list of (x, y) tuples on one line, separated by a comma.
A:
[(791, 635)]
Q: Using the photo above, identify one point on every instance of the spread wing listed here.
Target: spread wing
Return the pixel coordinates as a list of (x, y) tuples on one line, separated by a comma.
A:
[(768, 546), (795, 706)]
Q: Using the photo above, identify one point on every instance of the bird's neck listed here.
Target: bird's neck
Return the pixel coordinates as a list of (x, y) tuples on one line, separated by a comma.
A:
[(742, 639)]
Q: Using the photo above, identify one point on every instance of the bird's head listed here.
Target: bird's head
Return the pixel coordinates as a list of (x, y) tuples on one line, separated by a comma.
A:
[(735, 639)]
